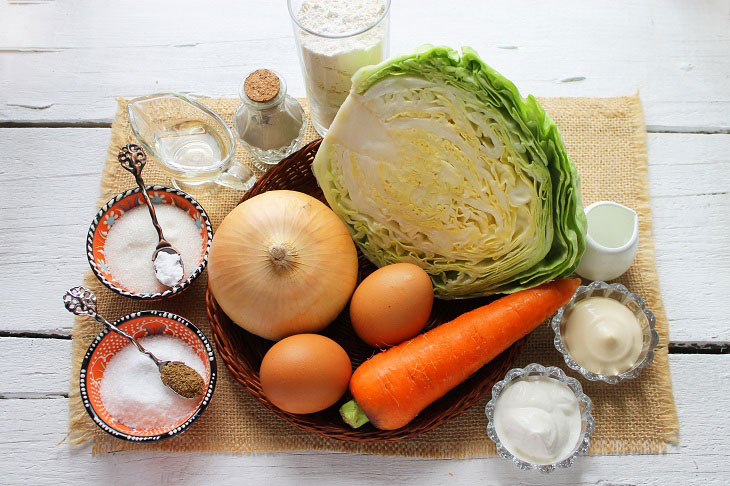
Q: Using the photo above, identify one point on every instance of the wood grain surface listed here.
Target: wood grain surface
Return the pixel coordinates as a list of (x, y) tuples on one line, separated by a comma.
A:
[(62, 63)]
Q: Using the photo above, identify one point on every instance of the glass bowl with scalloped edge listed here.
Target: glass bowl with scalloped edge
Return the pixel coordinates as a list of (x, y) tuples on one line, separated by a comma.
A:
[(634, 302), (588, 425)]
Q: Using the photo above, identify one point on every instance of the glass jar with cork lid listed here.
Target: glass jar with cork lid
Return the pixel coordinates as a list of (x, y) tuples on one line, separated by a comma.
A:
[(268, 123)]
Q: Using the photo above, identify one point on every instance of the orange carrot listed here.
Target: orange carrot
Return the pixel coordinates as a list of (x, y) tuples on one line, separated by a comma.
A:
[(392, 387)]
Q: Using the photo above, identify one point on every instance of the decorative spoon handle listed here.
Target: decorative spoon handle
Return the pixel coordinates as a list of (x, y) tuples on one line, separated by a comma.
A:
[(82, 302), (132, 158)]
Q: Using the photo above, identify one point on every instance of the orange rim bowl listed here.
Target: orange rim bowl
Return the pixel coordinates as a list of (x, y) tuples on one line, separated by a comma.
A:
[(107, 344), (115, 209)]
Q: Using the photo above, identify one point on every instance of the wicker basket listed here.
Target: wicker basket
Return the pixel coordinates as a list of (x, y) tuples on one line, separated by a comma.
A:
[(242, 352)]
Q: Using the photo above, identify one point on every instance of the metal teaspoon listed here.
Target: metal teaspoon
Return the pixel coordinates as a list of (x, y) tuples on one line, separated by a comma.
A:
[(82, 302), (132, 158)]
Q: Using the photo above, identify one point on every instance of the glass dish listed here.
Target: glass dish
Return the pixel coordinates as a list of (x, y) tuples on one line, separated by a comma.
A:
[(588, 425), (192, 143), (635, 304)]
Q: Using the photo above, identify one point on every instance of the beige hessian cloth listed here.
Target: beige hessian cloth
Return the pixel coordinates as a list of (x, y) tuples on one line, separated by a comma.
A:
[(606, 140)]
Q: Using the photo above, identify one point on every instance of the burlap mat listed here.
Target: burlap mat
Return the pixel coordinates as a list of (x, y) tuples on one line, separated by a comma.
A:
[(606, 139)]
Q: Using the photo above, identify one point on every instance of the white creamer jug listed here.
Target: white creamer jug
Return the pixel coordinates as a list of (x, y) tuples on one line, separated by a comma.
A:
[(611, 242)]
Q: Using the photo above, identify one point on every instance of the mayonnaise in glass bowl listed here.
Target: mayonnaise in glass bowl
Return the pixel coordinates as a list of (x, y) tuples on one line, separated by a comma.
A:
[(619, 293), (530, 373)]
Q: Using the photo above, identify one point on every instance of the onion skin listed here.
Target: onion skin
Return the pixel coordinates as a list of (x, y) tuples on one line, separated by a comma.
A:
[(282, 263)]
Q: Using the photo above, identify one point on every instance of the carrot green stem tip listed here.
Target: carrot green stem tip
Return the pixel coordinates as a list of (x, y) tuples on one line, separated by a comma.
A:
[(353, 415)]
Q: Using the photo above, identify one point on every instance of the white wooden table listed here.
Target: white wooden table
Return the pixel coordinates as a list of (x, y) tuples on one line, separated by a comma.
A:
[(63, 62)]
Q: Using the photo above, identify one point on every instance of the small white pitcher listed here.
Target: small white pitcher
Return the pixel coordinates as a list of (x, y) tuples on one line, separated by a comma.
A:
[(611, 242)]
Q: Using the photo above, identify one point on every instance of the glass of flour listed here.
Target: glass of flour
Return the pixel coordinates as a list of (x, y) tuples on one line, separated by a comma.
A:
[(334, 39)]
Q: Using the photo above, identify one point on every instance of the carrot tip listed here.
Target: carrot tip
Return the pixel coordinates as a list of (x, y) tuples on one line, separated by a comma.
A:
[(353, 415)]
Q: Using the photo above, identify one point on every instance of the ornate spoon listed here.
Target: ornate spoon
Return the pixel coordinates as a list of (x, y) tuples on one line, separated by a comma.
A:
[(176, 375), (166, 259)]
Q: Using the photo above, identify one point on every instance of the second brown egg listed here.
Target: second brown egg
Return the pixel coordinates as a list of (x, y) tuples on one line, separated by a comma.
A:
[(392, 304)]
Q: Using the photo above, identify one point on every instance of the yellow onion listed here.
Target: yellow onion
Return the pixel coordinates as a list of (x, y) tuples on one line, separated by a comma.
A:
[(282, 263)]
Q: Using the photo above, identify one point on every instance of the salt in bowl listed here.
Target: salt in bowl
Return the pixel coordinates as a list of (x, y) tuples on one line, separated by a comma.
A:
[(107, 344), (115, 209)]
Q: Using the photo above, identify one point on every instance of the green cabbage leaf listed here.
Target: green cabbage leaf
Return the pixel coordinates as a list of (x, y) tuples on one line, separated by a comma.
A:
[(435, 159)]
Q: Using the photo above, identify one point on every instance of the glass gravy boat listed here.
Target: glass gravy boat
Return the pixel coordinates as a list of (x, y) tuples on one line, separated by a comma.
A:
[(193, 144)]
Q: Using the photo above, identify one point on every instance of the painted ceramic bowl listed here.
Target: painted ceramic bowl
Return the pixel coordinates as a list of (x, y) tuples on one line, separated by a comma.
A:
[(113, 210), (107, 344)]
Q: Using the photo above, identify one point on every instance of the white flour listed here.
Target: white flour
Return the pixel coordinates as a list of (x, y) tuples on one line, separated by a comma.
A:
[(330, 63)]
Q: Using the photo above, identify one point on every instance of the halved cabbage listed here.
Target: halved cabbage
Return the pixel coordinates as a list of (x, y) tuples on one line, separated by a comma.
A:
[(435, 159)]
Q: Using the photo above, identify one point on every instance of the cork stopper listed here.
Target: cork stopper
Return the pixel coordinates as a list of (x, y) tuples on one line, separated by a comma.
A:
[(261, 86)]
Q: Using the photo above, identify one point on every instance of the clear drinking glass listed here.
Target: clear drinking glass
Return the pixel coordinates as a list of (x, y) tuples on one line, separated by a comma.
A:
[(192, 144), (330, 54)]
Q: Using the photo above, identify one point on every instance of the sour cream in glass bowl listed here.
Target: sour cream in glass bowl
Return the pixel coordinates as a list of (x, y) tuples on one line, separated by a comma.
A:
[(539, 418)]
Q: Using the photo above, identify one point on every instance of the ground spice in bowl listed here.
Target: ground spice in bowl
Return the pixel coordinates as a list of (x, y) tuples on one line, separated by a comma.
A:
[(182, 379)]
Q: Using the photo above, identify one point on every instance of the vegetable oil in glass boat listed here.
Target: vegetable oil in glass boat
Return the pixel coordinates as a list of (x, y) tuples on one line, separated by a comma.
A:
[(190, 144), (193, 144)]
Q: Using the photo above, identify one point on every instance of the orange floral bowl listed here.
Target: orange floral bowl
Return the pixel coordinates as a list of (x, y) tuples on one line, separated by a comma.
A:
[(107, 344), (115, 209)]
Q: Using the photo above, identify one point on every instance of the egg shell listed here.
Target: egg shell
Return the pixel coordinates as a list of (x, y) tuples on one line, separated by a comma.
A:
[(392, 304), (305, 373)]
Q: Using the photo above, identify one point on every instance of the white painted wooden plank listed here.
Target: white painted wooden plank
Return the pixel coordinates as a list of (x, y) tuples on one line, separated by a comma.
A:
[(688, 174), (67, 61), (691, 239), (32, 428), (688, 164), (689, 179), (49, 184), (35, 367)]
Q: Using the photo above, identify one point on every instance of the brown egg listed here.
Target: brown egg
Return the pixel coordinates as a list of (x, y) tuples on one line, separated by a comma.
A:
[(305, 373), (392, 304)]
